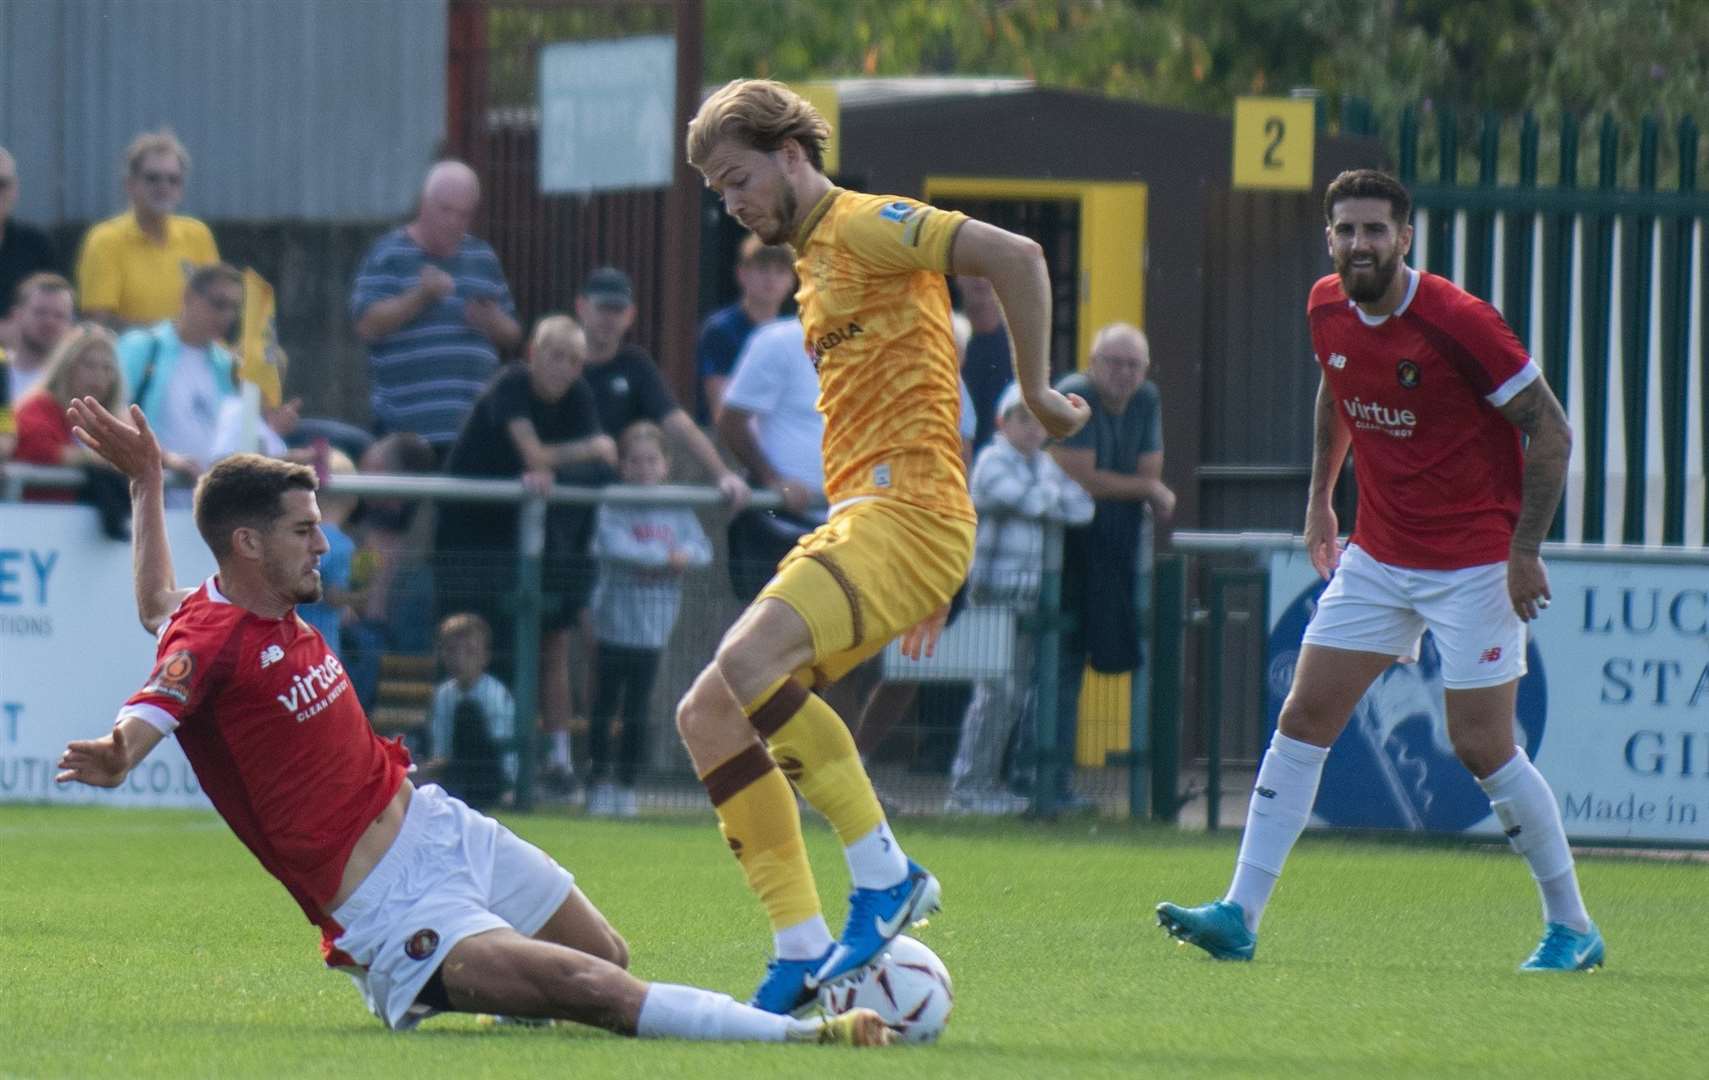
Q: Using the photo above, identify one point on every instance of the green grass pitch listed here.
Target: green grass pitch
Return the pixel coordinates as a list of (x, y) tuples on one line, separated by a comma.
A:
[(149, 943)]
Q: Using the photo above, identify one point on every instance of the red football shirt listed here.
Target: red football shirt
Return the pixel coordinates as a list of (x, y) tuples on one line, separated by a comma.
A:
[(1439, 468), (269, 721)]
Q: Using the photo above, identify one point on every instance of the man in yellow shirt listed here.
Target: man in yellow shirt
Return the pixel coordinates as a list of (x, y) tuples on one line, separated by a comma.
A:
[(900, 536), (133, 266)]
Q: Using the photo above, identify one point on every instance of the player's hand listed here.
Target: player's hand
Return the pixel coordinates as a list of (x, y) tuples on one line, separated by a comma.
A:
[(1320, 539), (129, 447), (99, 762), (1061, 415), (1527, 584), (538, 481), (677, 560), (735, 490), (922, 640), (436, 283)]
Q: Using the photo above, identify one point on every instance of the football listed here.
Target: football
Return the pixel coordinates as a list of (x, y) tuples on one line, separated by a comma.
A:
[(908, 986)]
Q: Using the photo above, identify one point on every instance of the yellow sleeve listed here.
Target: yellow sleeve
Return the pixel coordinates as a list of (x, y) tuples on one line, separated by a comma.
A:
[(98, 272), (899, 235), (203, 251)]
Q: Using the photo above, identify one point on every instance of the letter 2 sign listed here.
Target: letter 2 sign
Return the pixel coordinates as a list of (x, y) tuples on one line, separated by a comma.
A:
[(1274, 140)]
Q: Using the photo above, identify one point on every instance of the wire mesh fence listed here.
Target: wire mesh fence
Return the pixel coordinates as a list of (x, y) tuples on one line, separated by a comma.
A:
[(555, 685)]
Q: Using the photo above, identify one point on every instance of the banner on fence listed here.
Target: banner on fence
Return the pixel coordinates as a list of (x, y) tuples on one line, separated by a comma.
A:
[(71, 652), (1614, 709)]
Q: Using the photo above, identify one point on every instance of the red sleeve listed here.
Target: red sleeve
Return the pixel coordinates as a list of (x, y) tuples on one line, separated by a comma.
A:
[(183, 675), (42, 434), (1476, 340)]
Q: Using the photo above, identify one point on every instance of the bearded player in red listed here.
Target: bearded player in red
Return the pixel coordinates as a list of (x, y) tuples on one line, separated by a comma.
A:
[(1460, 454), (426, 904)]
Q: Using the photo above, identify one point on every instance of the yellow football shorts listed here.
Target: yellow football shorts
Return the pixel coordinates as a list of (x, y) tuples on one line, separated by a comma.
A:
[(869, 574)]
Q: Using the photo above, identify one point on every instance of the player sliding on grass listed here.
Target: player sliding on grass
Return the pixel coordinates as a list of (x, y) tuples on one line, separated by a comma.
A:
[(900, 534), (428, 905), (1435, 393)]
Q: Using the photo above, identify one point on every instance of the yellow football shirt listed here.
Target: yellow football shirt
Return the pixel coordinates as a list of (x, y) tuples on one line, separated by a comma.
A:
[(123, 270), (877, 315)]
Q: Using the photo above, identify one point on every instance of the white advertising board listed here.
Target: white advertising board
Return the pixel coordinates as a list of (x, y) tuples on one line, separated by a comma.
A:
[(1614, 710), (71, 652), (608, 115)]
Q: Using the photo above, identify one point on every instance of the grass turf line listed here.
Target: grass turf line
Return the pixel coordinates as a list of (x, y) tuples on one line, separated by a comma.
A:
[(150, 943)]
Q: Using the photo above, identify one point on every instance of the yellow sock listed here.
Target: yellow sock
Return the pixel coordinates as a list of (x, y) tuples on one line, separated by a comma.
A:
[(756, 813), (812, 746)]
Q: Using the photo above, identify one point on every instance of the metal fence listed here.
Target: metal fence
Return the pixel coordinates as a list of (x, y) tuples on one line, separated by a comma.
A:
[(1607, 285), (908, 717)]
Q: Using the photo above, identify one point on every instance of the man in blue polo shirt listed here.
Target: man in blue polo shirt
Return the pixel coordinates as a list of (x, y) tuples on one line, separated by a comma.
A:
[(432, 304)]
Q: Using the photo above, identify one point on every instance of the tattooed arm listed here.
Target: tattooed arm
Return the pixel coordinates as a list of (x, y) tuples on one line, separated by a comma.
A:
[(1548, 440), (1329, 451)]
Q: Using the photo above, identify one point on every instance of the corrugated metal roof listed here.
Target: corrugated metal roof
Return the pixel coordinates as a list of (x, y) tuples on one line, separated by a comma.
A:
[(320, 109)]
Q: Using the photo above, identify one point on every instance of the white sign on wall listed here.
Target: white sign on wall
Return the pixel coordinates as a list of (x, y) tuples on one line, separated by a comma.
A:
[(72, 651), (1614, 710), (608, 115)]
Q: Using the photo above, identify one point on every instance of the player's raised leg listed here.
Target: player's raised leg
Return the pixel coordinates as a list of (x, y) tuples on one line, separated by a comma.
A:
[(501, 971), (1328, 684), (1480, 725), (756, 806)]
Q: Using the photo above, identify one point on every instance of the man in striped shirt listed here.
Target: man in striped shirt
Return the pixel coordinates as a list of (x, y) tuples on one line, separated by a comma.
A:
[(432, 304)]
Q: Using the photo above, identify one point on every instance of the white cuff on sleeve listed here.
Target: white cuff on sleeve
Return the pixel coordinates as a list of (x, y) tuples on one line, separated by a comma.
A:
[(152, 715), (1509, 390)]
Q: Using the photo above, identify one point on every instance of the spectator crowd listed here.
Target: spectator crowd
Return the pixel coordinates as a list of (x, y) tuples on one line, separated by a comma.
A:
[(149, 318)]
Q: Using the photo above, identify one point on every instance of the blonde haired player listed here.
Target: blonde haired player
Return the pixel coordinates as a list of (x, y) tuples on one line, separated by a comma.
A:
[(877, 317)]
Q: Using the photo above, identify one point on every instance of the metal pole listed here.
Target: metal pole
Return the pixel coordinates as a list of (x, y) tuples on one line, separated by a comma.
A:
[(1213, 666), (1051, 621), (1139, 689), (530, 547), (1168, 641)]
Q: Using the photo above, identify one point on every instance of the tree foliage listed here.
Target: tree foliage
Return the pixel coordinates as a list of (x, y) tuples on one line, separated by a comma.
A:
[(1588, 56)]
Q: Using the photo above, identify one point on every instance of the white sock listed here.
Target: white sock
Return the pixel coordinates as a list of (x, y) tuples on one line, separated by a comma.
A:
[(803, 941), (1282, 798), (1531, 818), (876, 860), (686, 1012), (561, 749)]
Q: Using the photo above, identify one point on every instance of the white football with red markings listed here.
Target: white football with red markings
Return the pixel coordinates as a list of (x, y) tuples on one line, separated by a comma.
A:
[(908, 986)]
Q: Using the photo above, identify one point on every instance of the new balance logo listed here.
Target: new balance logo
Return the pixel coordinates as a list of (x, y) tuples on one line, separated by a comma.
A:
[(1337, 361), (1515, 831), (1490, 655), (271, 655), (1266, 793)]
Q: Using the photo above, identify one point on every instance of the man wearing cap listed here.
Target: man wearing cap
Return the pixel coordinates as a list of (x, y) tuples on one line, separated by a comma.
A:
[(431, 302), (626, 383)]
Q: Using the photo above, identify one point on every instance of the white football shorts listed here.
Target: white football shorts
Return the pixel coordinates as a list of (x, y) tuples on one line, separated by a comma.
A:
[(450, 874), (1370, 606)]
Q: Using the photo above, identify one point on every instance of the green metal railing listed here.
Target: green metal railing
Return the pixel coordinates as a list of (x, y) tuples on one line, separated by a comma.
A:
[(1605, 284)]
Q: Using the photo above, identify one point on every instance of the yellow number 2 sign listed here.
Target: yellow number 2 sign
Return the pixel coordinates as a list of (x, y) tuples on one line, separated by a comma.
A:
[(1274, 140)]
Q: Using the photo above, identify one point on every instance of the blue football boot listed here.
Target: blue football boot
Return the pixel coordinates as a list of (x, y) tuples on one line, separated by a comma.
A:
[(876, 917), (1218, 927), (1565, 949), (784, 989)]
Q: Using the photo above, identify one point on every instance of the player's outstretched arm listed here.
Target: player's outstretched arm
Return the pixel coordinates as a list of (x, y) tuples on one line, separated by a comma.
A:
[(1548, 442), (1329, 451), (1015, 267), (105, 762), (133, 450)]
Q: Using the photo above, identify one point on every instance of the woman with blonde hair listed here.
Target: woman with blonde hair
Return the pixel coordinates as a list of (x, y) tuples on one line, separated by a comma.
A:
[(83, 364)]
